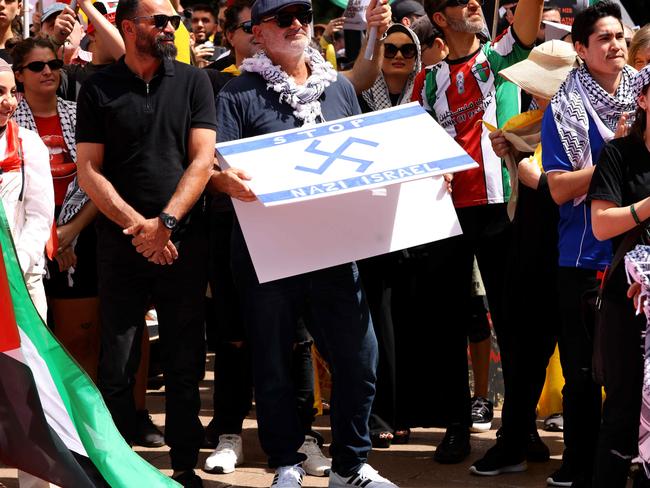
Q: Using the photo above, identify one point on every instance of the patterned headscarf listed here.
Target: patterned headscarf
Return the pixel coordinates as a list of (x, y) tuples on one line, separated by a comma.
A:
[(377, 96)]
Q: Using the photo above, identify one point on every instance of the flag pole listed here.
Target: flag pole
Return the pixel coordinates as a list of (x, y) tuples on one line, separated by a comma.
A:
[(495, 19)]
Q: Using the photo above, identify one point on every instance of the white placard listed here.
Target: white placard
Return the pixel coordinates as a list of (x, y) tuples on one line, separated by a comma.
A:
[(366, 151), (287, 240), (355, 15)]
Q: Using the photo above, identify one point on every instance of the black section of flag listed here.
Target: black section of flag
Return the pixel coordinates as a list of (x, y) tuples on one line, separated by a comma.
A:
[(26, 440)]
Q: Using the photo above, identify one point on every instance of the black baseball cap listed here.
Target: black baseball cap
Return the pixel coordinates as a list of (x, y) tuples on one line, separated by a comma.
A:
[(265, 8)]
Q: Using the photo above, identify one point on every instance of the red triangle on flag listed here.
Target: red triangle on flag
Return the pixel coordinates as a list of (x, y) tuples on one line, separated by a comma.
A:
[(9, 338)]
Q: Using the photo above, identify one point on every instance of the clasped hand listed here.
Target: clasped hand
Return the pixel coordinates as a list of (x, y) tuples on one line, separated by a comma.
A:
[(151, 239)]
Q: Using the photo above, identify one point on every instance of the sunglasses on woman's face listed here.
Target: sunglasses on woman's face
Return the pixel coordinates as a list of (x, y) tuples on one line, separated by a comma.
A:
[(409, 51), (247, 27), (38, 66), (160, 20), (285, 19)]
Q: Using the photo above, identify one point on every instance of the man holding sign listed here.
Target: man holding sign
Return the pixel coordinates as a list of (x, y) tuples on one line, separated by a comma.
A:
[(330, 300)]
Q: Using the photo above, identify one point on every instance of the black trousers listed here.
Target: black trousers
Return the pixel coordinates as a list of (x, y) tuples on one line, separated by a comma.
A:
[(582, 397), (233, 379), (531, 308), (128, 283), (430, 303), (622, 356)]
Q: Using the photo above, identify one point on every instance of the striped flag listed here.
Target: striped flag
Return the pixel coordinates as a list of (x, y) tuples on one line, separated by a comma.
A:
[(53, 420)]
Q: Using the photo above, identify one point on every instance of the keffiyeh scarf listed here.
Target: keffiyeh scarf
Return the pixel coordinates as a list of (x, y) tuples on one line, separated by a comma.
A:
[(304, 99), (75, 198), (637, 265), (581, 97)]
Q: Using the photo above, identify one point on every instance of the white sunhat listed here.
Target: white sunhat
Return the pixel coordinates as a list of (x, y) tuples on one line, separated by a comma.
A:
[(544, 70)]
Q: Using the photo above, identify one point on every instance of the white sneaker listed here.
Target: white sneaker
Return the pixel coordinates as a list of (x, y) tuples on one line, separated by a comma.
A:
[(316, 463), (226, 456), (366, 477), (288, 477)]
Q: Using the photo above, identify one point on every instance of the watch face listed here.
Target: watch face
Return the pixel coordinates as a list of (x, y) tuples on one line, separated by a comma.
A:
[(169, 221)]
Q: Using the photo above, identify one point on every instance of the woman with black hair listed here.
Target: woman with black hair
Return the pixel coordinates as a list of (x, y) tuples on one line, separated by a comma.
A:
[(620, 205)]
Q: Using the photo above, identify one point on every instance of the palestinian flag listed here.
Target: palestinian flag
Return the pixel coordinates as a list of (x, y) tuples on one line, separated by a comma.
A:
[(53, 421)]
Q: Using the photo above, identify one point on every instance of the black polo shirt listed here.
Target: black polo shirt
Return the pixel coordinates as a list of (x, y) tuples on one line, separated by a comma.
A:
[(145, 127)]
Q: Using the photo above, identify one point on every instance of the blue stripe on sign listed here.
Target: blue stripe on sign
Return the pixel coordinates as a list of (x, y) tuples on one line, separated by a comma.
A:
[(388, 176), (321, 130)]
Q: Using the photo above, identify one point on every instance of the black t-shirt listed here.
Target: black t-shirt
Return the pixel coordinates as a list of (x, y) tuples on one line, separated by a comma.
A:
[(622, 176), (246, 108), (145, 127)]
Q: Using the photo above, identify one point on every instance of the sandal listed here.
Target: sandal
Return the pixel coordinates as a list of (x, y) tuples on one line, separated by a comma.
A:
[(381, 440), (402, 436)]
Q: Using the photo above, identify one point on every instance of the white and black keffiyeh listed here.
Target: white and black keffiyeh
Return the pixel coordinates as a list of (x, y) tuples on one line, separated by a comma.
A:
[(637, 266), (304, 99), (75, 198), (581, 97)]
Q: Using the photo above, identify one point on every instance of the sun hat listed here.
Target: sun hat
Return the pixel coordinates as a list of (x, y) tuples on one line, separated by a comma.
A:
[(544, 70)]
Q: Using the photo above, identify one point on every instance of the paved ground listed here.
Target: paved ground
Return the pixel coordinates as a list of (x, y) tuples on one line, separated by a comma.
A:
[(410, 466)]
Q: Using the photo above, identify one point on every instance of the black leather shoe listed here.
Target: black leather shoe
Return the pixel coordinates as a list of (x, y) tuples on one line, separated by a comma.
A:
[(455, 446), (188, 479), (146, 433)]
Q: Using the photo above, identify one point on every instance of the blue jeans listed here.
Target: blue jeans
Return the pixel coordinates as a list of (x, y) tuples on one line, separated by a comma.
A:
[(334, 308)]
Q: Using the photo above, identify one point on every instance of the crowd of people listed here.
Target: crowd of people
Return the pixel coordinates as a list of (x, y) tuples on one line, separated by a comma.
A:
[(119, 209)]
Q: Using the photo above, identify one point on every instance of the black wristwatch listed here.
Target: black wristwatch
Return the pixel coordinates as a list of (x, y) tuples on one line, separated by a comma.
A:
[(168, 221)]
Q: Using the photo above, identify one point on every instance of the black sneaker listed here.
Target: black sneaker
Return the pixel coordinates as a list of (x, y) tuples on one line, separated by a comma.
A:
[(482, 414), (499, 459), (561, 477), (536, 450), (188, 479), (146, 433), (455, 446)]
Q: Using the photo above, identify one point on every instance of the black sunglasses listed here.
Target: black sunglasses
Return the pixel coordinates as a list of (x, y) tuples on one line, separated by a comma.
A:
[(246, 26), (455, 3), (285, 19), (38, 66), (409, 51), (160, 20)]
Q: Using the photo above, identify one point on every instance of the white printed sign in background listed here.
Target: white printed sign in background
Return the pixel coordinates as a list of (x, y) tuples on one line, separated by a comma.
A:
[(367, 151), (355, 15)]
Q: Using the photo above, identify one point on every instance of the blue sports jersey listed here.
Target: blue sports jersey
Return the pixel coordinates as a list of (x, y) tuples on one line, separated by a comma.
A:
[(578, 248)]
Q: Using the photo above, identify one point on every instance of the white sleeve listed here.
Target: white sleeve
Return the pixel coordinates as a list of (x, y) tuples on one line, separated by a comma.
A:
[(38, 201)]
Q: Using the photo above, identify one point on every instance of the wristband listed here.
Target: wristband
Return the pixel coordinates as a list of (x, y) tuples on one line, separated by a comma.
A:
[(634, 215)]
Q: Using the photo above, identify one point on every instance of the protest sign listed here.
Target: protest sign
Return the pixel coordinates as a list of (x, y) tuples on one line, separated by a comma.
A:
[(362, 152), (287, 240), (355, 15), (345, 190)]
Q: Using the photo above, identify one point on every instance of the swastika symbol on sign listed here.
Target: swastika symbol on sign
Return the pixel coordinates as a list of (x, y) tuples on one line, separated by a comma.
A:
[(338, 154)]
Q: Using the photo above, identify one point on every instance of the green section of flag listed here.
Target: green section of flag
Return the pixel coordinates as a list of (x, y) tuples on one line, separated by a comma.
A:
[(118, 464)]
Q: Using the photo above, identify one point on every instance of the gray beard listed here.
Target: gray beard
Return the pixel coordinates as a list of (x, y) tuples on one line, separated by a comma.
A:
[(466, 26)]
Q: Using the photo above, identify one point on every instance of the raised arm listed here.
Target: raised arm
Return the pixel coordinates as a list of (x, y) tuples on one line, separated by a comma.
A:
[(364, 72), (111, 41), (527, 19)]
